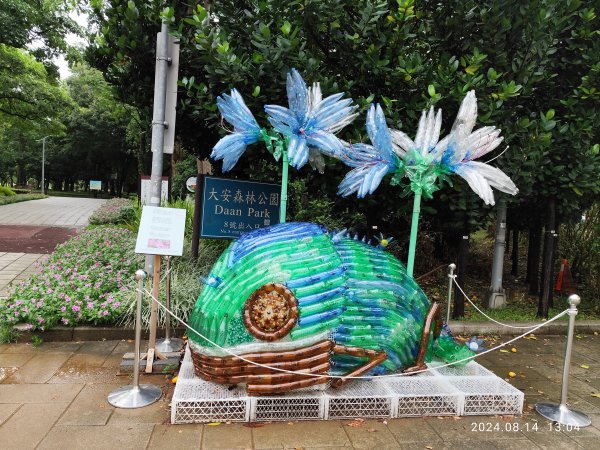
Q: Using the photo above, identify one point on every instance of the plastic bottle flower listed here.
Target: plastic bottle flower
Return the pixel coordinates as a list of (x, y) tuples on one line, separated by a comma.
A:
[(246, 130), (310, 120), (457, 151), (371, 162)]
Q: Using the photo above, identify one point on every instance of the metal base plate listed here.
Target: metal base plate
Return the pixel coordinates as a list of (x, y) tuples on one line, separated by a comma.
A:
[(134, 397), (563, 415), (169, 346)]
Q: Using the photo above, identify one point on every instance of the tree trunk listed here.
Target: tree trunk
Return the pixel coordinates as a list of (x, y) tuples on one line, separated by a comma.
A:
[(463, 257), (534, 270), (548, 258), (514, 270), (553, 265)]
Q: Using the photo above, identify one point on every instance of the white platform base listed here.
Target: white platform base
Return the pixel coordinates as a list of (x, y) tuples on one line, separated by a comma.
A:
[(463, 391)]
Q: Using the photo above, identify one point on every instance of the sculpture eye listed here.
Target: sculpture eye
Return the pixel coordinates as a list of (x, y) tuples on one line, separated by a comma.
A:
[(270, 312)]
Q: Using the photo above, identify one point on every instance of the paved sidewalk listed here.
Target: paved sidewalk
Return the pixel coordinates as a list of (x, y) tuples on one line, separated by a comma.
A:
[(54, 397), (14, 267), (55, 211)]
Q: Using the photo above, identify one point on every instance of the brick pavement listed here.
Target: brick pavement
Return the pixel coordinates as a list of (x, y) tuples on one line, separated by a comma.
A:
[(54, 397), (15, 267), (54, 211)]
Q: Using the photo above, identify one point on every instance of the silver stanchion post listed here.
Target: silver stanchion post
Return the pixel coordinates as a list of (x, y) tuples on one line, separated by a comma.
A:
[(451, 269), (168, 344), (136, 395), (561, 413)]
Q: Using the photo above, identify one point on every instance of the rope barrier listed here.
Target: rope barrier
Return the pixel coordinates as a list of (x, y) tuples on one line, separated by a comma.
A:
[(485, 315), (277, 369)]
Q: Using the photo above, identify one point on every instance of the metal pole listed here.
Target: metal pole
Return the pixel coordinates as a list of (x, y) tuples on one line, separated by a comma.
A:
[(136, 395), (43, 163), (414, 228), (168, 344), (451, 269), (284, 186), (158, 123), (496, 295), (561, 413)]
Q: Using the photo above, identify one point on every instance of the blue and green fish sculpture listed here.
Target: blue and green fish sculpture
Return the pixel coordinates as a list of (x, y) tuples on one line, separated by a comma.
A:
[(300, 304)]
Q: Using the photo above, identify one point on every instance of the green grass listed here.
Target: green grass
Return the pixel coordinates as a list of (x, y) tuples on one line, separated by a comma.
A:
[(20, 198)]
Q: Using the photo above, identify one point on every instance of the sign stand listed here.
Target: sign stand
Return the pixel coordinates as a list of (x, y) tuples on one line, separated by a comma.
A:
[(152, 352), (168, 344), (161, 232)]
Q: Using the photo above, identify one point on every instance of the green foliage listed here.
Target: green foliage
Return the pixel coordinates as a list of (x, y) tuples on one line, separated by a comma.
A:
[(8, 334), (41, 24), (580, 245), (185, 281), (6, 200), (534, 68), (6, 191), (114, 211), (36, 341)]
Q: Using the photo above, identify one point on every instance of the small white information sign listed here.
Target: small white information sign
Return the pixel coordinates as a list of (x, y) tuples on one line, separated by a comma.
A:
[(161, 231)]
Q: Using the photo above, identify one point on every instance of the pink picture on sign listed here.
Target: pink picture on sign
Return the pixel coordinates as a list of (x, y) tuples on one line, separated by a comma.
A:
[(159, 243)]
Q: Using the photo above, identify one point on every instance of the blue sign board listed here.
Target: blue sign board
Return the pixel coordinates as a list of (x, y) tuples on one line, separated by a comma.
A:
[(232, 207)]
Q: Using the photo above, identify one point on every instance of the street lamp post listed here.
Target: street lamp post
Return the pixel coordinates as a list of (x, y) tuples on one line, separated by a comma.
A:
[(43, 161)]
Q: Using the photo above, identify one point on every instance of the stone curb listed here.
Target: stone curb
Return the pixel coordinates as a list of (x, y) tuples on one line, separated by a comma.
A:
[(457, 327), (62, 334), (558, 328)]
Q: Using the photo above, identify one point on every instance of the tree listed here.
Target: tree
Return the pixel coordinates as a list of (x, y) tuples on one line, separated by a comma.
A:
[(534, 68)]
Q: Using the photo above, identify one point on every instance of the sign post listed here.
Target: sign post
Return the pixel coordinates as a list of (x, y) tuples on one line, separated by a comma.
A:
[(161, 232)]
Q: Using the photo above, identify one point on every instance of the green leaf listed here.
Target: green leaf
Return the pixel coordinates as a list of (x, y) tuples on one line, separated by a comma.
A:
[(256, 91), (577, 190), (550, 114), (431, 90), (286, 28)]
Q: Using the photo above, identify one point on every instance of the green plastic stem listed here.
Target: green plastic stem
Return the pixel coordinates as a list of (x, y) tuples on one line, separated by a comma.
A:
[(284, 186), (414, 227)]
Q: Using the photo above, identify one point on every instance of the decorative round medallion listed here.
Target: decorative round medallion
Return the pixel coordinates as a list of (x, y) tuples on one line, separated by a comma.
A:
[(270, 312)]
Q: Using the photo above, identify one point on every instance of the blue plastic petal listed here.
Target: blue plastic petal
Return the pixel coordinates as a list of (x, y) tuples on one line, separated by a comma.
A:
[(297, 151), (379, 132), (327, 142), (283, 115), (363, 180), (231, 147), (235, 111), (297, 93)]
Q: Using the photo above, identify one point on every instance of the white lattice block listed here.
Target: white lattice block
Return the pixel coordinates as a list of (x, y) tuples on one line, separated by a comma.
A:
[(367, 399), (305, 405), (488, 395), (425, 396), (471, 369), (468, 390)]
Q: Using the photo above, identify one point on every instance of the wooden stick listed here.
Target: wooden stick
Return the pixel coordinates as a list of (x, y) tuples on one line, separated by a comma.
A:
[(153, 314)]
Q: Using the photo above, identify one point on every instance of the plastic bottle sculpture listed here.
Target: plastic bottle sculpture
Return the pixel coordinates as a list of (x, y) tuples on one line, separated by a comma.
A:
[(295, 297), (300, 133), (425, 160)]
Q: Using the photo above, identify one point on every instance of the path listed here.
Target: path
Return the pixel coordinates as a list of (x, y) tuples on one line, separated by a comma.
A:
[(52, 211), (54, 397), (28, 230)]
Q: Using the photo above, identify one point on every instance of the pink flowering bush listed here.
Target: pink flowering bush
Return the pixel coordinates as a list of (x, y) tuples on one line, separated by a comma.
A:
[(114, 211), (87, 280)]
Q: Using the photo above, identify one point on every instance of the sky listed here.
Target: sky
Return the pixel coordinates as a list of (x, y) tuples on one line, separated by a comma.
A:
[(72, 39)]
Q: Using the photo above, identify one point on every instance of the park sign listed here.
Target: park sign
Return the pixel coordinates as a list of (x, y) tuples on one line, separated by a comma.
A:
[(231, 207)]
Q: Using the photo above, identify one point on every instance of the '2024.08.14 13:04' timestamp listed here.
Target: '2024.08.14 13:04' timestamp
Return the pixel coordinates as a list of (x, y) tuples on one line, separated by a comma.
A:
[(489, 427)]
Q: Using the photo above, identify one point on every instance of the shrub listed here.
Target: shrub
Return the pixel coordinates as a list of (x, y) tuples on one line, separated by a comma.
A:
[(6, 191), (114, 211), (6, 200), (88, 279)]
